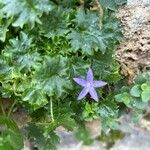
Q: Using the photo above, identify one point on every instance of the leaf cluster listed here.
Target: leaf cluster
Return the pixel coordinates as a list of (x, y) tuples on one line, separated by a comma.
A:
[(44, 45), (138, 95)]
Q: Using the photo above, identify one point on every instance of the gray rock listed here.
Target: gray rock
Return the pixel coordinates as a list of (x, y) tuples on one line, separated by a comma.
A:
[(68, 142), (138, 2), (135, 141)]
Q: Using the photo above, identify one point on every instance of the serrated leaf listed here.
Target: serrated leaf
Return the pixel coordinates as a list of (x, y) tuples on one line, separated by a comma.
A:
[(89, 37), (43, 142), (35, 97), (5, 69), (57, 25), (25, 11), (145, 96), (135, 91), (50, 76), (87, 41), (86, 20), (4, 24), (65, 116), (66, 121), (18, 45), (20, 53)]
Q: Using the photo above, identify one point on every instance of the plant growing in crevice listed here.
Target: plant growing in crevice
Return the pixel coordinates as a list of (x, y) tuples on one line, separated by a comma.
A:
[(44, 45)]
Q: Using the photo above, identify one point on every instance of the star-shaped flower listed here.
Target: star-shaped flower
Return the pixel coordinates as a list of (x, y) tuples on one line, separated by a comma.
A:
[(89, 85)]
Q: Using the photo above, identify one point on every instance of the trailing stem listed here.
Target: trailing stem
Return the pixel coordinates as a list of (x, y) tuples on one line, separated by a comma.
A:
[(2, 108), (51, 109), (11, 108)]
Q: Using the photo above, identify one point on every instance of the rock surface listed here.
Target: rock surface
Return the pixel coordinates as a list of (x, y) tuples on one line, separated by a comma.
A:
[(68, 142), (137, 138), (138, 2), (135, 141), (134, 52)]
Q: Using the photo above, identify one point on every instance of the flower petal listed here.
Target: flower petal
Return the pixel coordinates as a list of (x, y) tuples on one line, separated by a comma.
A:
[(89, 76), (98, 83), (83, 93), (80, 81), (93, 94)]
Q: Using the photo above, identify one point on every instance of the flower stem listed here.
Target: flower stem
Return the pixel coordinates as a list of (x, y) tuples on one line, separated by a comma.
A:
[(51, 109), (2, 108), (11, 108)]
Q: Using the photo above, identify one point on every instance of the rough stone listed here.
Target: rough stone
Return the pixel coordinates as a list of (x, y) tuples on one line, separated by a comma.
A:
[(135, 141), (134, 52), (68, 142), (138, 2)]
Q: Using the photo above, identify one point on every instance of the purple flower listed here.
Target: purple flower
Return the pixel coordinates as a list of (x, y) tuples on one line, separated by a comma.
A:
[(89, 85)]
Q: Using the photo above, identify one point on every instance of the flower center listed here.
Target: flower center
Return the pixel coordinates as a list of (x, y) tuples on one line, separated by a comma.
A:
[(88, 84)]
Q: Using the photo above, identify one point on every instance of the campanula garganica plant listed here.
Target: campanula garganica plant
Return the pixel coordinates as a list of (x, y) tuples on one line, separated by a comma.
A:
[(57, 64)]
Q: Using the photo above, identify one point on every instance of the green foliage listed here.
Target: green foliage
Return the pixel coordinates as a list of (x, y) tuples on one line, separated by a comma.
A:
[(44, 45), (138, 95), (83, 134), (9, 134), (42, 140), (89, 36), (90, 111), (106, 110), (25, 11), (112, 4), (111, 137)]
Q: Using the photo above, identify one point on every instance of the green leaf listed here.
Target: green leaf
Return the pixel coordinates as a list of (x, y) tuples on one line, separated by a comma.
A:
[(108, 110), (86, 20), (140, 79), (35, 97), (89, 41), (11, 135), (135, 91), (90, 112), (145, 96), (20, 54), (4, 144), (124, 97), (25, 11), (42, 141), (89, 37), (3, 31), (120, 2), (145, 87), (112, 4), (51, 76), (66, 121), (57, 25), (83, 134), (64, 116), (137, 103), (5, 69)]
